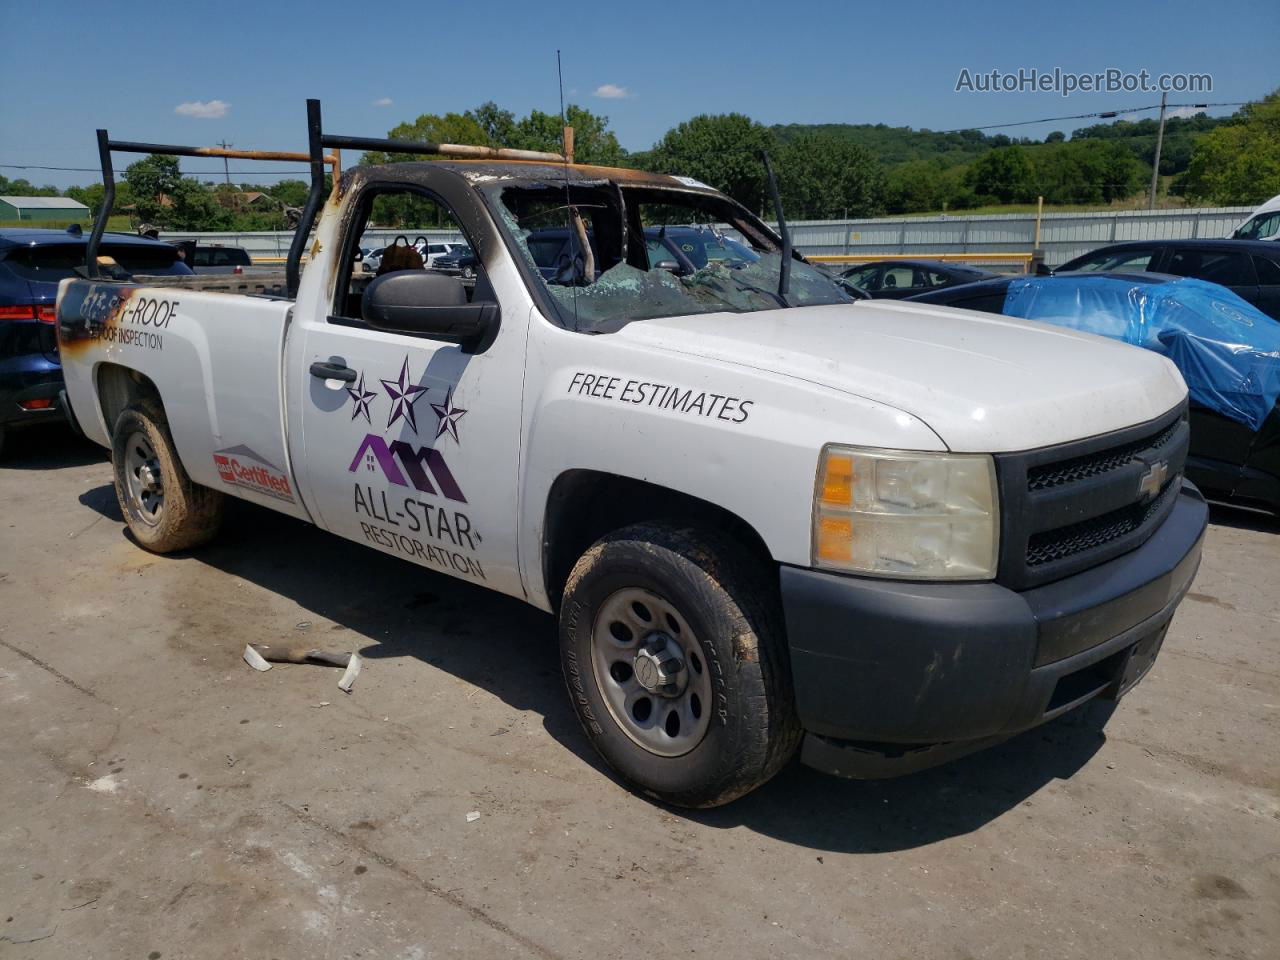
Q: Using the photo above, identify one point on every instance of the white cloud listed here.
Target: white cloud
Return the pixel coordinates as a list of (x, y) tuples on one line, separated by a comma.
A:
[(382, 102), (203, 109), (611, 91)]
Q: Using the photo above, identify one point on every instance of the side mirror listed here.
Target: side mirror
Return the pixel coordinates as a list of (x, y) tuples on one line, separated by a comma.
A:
[(427, 304), (1042, 270), (668, 265)]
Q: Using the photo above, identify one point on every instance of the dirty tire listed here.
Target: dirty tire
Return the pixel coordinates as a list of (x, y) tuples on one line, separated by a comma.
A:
[(191, 514), (730, 604)]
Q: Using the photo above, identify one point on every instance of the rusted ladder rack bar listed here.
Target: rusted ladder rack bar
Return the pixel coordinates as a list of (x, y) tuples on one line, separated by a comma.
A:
[(460, 150)]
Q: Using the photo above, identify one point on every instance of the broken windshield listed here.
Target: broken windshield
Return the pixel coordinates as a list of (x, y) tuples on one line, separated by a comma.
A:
[(609, 254)]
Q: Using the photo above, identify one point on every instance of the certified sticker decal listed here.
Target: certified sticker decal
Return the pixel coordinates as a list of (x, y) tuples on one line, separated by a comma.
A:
[(241, 467)]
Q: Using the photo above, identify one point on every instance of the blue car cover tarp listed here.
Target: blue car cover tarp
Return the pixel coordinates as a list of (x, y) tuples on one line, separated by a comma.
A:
[(1227, 350)]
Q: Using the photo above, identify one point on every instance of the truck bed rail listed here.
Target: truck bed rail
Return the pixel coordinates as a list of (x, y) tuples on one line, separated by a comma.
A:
[(315, 156)]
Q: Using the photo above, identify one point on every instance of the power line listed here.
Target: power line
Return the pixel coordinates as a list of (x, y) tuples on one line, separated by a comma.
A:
[(185, 173), (1101, 114)]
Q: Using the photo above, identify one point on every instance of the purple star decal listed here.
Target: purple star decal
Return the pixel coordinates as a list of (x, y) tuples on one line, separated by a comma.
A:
[(449, 416), (362, 398), (404, 394)]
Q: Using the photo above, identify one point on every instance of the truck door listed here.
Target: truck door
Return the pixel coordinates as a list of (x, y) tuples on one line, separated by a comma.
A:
[(1268, 270), (407, 444), (1229, 268)]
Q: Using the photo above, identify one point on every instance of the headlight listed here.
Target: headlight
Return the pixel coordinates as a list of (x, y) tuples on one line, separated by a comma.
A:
[(926, 516)]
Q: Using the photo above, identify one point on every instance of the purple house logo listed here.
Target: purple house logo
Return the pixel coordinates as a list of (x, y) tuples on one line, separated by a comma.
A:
[(398, 459)]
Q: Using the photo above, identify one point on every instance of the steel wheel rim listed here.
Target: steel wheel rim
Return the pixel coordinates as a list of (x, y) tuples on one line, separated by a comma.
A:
[(142, 475), (629, 651)]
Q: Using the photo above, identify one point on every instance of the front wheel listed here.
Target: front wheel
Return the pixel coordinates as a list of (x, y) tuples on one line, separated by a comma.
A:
[(674, 656), (165, 510)]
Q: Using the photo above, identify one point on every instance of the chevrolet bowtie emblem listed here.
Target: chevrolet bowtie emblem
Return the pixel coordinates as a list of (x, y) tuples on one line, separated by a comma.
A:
[(1152, 481)]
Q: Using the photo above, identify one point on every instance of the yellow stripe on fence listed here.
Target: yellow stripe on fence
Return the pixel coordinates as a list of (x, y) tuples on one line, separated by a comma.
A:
[(1025, 259)]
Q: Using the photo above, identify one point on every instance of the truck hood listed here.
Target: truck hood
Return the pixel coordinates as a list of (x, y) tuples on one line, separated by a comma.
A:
[(984, 383)]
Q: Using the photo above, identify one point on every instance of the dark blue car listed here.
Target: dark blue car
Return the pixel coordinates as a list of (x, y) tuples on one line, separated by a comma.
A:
[(31, 264)]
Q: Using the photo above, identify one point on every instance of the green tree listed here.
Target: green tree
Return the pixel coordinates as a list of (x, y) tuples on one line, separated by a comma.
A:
[(292, 193), (1239, 163), (1087, 171), (721, 150), (92, 196), (593, 141), (822, 177), (24, 188), (164, 197), (1002, 175), (917, 186), (497, 124)]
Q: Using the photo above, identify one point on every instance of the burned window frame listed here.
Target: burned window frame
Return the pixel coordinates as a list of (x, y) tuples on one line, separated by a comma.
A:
[(722, 208)]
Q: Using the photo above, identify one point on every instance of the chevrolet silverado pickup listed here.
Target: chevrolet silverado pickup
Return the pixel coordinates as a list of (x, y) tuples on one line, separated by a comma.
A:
[(770, 518)]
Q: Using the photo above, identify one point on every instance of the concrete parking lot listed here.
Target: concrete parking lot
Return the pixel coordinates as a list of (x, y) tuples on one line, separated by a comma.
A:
[(161, 799)]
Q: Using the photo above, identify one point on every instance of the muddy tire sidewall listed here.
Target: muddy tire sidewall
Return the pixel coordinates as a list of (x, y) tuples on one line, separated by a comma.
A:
[(191, 514), (748, 713)]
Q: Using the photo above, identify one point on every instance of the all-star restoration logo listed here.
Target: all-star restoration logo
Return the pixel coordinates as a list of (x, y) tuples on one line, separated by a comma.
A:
[(404, 394)]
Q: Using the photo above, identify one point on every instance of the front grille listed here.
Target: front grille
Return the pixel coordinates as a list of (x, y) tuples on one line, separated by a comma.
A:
[(1075, 505), (1066, 542), (1080, 468)]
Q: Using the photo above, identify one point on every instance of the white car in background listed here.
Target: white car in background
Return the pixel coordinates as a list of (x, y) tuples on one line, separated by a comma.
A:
[(437, 249), (1263, 224)]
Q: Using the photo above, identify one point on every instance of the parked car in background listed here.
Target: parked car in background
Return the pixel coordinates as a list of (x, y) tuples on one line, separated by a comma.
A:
[(216, 258), (372, 259), (1229, 460), (898, 279), (461, 261), (31, 264), (435, 249), (681, 250), (1263, 223), (1249, 268)]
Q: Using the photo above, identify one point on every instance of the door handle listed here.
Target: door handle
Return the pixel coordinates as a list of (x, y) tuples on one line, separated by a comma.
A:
[(324, 370)]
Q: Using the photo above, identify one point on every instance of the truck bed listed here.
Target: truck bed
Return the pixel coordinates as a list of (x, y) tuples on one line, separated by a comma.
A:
[(250, 284)]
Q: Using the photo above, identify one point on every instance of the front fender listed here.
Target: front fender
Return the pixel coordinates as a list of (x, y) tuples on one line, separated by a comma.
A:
[(745, 439)]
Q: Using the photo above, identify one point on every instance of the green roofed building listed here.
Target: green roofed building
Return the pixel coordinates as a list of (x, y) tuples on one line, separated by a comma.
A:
[(42, 209)]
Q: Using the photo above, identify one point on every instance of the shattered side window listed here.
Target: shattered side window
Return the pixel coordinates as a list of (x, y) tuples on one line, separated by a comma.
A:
[(608, 255)]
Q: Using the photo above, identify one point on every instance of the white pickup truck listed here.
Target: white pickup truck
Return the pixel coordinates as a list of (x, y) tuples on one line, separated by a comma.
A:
[(769, 517)]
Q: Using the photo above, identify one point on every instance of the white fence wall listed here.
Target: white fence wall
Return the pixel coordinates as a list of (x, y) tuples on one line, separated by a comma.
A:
[(1062, 235)]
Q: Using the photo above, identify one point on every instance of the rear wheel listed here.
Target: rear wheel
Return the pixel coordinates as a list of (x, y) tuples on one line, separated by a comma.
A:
[(675, 659), (164, 508)]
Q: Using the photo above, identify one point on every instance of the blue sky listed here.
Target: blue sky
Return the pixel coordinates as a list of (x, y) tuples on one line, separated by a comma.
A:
[(73, 66)]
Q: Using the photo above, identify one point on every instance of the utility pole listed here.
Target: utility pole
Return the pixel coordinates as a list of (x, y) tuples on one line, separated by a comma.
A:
[(226, 167), (1155, 168)]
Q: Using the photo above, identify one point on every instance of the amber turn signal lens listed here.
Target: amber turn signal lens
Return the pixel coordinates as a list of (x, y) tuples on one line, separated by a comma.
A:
[(835, 538), (837, 481)]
